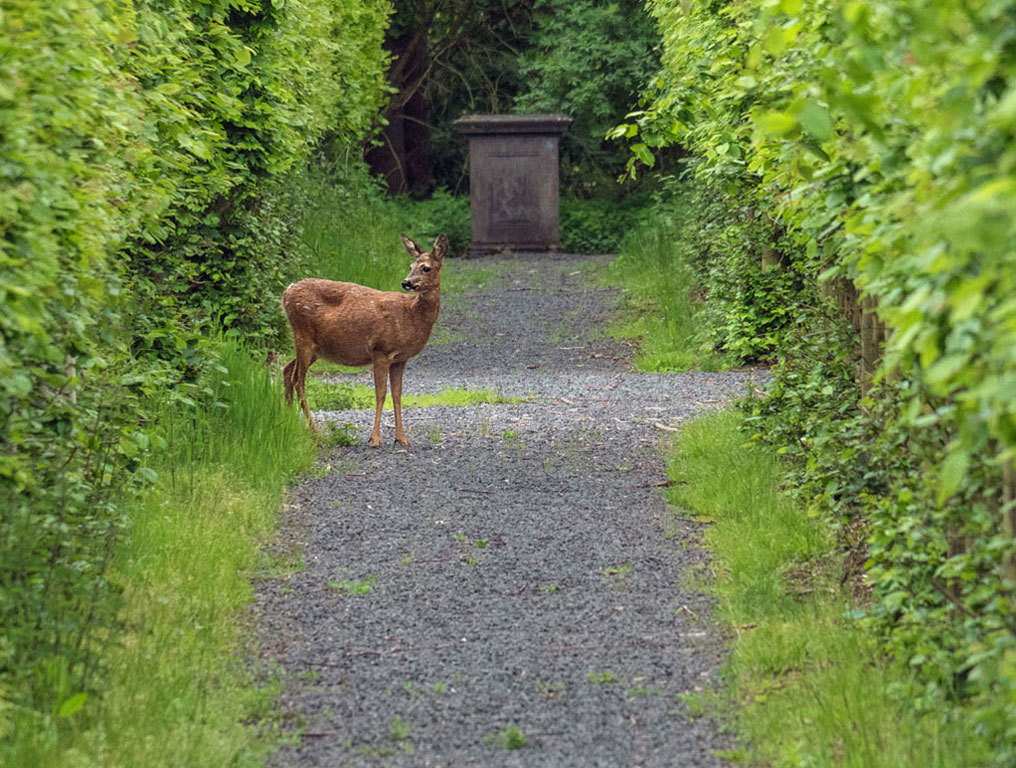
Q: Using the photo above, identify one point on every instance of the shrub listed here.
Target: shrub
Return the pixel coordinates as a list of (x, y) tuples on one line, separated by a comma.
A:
[(875, 143), (146, 158)]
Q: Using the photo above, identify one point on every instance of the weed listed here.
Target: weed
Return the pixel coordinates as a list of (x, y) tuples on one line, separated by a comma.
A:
[(483, 422), (659, 309), (184, 567), (618, 570), (399, 729), (509, 737), (355, 586), (548, 690), (607, 676), (339, 434), (549, 587)]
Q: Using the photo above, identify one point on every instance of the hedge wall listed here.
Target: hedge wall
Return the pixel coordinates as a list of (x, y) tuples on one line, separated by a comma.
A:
[(872, 144), (150, 154)]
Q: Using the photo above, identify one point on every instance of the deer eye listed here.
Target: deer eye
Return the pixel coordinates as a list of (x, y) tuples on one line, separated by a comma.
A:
[(426, 269)]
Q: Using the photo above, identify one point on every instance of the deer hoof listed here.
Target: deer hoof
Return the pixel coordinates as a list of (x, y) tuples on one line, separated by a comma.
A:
[(402, 441), (375, 440)]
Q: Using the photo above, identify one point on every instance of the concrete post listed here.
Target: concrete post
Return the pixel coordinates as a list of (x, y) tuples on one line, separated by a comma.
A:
[(513, 181)]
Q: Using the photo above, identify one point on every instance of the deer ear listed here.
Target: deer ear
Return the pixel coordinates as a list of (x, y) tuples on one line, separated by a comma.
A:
[(414, 250), (440, 247)]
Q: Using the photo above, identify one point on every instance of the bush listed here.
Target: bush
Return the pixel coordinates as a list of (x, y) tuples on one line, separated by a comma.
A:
[(598, 225), (874, 144), (147, 158)]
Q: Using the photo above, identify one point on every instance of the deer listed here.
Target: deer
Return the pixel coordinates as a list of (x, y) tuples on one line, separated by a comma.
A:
[(352, 324)]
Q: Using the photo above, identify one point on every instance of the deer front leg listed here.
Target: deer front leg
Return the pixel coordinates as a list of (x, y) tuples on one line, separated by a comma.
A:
[(396, 374), (381, 366)]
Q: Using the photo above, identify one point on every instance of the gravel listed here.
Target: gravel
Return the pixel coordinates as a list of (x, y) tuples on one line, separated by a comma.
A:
[(515, 573)]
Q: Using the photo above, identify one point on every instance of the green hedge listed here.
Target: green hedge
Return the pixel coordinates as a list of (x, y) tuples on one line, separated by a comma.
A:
[(876, 142), (148, 154)]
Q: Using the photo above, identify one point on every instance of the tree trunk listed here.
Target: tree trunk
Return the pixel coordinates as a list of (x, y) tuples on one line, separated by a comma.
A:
[(403, 159)]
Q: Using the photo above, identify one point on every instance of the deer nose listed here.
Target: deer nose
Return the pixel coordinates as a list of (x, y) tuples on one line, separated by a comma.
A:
[(406, 285)]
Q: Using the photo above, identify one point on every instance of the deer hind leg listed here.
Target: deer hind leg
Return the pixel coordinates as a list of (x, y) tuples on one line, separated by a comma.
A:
[(287, 380), (396, 372), (305, 358), (381, 366)]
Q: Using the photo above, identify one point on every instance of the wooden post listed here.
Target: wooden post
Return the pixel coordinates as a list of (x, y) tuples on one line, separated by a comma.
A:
[(870, 334), (1009, 515)]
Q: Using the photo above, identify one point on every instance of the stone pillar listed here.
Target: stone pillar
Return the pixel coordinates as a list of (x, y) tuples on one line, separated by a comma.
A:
[(513, 181)]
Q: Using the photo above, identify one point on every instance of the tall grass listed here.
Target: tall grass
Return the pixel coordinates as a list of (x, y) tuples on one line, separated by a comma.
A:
[(352, 230), (176, 689), (659, 306), (805, 683), (354, 237)]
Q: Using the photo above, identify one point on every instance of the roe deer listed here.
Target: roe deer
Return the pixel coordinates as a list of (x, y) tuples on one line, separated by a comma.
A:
[(351, 324)]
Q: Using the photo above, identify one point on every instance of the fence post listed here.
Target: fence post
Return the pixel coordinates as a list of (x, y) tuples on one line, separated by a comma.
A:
[(1009, 515)]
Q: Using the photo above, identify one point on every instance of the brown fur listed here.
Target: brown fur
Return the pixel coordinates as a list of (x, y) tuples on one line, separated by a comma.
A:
[(351, 324)]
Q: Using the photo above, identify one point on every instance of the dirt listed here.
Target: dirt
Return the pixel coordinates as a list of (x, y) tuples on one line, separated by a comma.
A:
[(515, 575)]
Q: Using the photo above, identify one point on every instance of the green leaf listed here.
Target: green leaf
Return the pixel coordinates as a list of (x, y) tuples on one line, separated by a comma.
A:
[(643, 153), (815, 120), (73, 705), (953, 472), (775, 123)]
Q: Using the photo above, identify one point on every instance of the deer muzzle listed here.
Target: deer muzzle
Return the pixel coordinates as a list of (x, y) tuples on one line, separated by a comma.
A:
[(408, 286)]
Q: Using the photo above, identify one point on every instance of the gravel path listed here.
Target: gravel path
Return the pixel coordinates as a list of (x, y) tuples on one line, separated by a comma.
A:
[(516, 568)]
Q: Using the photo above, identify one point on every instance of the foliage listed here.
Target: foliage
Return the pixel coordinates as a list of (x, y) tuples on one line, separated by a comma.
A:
[(147, 156), (804, 685), (456, 57), (351, 227), (598, 225), (222, 455), (451, 57), (587, 60), (875, 141), (659, 286), (440, 214)]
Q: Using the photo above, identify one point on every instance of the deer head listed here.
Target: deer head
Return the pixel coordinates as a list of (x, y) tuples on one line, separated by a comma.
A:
[(425, 272)]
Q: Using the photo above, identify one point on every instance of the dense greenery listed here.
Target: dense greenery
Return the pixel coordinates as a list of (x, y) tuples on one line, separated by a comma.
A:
[(184, 562), (806, 686), (149, 157), (857, 163), (587, 60), (584, 58)]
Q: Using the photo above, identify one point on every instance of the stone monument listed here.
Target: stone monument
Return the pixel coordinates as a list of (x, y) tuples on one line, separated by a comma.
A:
[(513, 181)]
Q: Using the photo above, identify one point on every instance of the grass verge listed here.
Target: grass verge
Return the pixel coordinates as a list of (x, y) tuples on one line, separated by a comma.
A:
[(658, 307), (176, 689), (343, 396), (805, 683)]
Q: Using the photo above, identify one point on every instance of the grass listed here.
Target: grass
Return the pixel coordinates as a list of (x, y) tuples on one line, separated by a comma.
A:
[(353, 233), (658, 308), (176, 690), (805, 684), (342, 396)]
